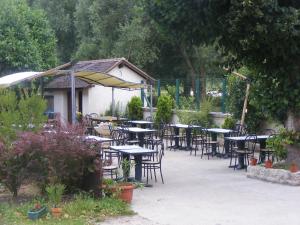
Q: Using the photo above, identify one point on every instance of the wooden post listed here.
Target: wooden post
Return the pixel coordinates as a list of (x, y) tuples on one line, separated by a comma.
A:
[(245, 103)]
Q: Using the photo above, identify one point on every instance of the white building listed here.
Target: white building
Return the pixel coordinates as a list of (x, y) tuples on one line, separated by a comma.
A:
[(94, 98)]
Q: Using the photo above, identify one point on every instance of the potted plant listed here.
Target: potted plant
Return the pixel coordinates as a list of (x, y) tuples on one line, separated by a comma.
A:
[(55, 193), (125, 187), (253, 161), (37, 211), (294, 168), (268, 164)]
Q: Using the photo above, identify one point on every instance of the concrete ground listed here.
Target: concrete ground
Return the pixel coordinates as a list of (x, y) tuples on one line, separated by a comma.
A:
[(206, 192)]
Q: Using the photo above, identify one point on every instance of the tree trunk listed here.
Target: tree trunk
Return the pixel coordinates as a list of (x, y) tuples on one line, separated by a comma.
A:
[(203, 82), (189, 65), (292, 123)]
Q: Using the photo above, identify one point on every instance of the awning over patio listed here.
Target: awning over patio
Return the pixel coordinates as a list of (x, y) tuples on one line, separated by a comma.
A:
[(91, 77)]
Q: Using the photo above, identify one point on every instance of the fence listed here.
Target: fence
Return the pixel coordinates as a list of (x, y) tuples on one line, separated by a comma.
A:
[(190, 95)]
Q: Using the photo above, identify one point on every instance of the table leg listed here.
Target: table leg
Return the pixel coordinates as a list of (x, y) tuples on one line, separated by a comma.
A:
[(241, 145), (138, 167), (188, 133), (262, 145), (176, 131), (226, 145), (214, 146), (141, 137)]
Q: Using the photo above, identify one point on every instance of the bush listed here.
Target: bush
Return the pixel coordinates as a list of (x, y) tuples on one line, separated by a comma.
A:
[(56, 157), (229, 123), (135, 111), (164, 109), (26, 113), (21, 161), (201, 117)]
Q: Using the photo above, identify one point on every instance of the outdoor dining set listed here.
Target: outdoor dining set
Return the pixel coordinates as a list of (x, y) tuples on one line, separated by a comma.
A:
[(144, 143)]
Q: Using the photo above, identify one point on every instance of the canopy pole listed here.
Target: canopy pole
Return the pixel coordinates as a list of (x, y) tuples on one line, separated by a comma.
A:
[(151, 101), (113, 101), (73, 97)]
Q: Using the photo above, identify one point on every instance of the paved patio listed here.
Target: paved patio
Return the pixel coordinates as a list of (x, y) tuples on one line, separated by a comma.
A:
[(206, 192)]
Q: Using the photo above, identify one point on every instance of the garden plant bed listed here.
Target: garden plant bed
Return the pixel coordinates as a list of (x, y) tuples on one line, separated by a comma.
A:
[(280, 176)]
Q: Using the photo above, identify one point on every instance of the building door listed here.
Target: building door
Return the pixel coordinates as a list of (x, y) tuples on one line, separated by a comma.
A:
[(78, 104)]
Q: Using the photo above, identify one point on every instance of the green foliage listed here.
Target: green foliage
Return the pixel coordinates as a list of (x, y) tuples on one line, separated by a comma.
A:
[(26, 39), (229, 123), (277, 143), (60, 14), (22, 114), (55, 192), (256, 113), (118, 110), (80, 210), (165, 105), (201, 117), (135, 111)]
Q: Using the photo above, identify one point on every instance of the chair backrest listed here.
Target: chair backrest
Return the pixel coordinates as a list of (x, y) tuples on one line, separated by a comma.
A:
[(250, 142), (240, 129), (149, 118)]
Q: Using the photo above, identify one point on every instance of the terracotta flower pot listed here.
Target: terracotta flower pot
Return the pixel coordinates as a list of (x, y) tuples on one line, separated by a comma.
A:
[(268, 164), (253, 161), (56, 212), (294, 168), (126, 191)]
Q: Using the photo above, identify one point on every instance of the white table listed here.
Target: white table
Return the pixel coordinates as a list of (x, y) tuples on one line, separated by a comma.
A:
[(137, 152), (214, 132), (142, 123), (97, 138), (188, 132), (139, 131), (240, 140)]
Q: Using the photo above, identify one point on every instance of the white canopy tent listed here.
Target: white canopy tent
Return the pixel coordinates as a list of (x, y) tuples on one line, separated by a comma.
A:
[(92, 77)]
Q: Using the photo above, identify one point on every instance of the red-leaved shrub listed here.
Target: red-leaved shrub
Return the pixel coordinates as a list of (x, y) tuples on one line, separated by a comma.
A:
[(56, 156)]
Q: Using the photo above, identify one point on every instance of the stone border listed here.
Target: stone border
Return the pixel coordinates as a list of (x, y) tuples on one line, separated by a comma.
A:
[(274, 175)]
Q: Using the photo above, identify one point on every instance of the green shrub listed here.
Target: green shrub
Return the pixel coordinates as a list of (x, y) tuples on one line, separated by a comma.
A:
[(20, 114), (164, 109), (229, 123), (135, 111), (201, 117)]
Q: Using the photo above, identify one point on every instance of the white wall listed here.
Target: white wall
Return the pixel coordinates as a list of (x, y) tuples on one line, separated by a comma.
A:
[(100, 98)]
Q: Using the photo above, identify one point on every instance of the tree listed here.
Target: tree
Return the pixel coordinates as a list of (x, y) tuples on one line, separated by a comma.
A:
[(264, 35), (26, 39), (60, 14), (188, 34)]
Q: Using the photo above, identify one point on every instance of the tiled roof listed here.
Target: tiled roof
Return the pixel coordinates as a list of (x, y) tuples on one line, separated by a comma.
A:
[(63, 82)]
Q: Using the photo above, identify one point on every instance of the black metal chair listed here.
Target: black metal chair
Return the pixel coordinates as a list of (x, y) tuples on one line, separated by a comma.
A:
[(209, 144), (197, 139), (156, 139), (248, 151), (264, 151), (153, 165)]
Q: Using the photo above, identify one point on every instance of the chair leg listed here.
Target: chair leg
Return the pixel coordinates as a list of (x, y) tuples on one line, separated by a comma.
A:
[(162, 179), (154, 170)]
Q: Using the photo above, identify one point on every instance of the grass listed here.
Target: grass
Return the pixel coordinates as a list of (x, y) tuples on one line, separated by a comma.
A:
[(79, 211)]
